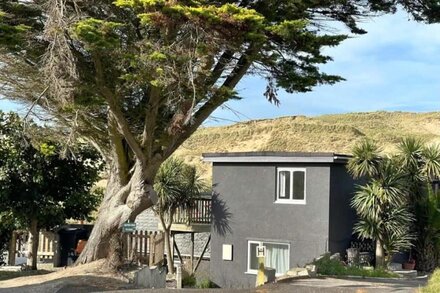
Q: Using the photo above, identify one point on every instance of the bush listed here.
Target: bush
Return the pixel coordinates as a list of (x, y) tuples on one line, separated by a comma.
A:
[(189, 281), (333, 267), (206, 284), (433, 283)]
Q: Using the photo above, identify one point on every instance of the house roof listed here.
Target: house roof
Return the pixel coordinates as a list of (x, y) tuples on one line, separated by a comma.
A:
[(275, 157)]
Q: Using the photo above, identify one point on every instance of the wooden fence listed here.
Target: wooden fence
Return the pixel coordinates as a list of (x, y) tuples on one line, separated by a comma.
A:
[(144, 247), (46, 247)]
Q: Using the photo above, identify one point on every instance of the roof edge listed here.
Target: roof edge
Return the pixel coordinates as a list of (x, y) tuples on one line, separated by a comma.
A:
[(275, 157)]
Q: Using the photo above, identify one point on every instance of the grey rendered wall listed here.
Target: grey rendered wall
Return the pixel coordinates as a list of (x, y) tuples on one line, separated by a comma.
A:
[(342, 216), (244, 202), (148, 221)]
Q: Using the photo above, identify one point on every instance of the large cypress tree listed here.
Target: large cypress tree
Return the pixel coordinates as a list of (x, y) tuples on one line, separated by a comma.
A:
[(138, 77)]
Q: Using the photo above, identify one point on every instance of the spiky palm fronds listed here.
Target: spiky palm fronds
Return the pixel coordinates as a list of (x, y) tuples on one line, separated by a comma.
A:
[(365, 160), (176, 184), (410, 153), (431, 160)]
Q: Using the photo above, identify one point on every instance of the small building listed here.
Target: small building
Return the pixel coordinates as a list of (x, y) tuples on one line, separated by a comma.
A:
[(296, 205)]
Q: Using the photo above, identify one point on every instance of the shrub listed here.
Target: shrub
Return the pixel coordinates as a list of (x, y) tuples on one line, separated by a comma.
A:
[(189, 281), (433, 283), (333, 267), (206, 283)]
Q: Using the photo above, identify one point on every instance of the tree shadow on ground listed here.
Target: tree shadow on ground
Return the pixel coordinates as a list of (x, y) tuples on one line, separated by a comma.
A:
[(72, 284)]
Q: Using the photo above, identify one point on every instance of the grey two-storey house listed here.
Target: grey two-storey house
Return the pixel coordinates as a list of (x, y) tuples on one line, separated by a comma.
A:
[(296, 205)]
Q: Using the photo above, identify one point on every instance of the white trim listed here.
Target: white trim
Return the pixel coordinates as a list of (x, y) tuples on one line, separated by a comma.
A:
[(290, 200), (260, 242)]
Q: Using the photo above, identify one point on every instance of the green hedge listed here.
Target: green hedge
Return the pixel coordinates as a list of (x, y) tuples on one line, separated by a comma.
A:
[(333, 267)]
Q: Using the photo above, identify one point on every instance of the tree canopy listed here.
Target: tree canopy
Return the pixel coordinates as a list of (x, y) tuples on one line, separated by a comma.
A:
[(39, 188), (36, 183)]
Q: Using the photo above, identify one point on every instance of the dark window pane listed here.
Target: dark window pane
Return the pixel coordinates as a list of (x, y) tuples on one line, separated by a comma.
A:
[(253, 256), (284, 185), (298, 184)]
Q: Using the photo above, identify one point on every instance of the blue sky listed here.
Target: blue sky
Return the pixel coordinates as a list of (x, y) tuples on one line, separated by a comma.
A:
[(395, 67)]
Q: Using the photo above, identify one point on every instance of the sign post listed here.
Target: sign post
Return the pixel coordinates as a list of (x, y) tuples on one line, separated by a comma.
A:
[(128, 227), (261, 254)]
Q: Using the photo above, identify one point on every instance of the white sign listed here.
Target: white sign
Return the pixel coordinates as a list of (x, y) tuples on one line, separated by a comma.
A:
[(227, 252), (261, 251)]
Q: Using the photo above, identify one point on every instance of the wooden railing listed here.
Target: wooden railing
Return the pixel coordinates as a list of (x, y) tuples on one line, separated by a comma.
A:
[(198, 213), (144, 247)]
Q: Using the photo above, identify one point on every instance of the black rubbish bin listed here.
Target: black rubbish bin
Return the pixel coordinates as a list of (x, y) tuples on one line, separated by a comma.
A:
[(67, 243)]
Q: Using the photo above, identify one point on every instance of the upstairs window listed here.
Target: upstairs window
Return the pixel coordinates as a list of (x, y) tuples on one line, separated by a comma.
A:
[(291, 185)]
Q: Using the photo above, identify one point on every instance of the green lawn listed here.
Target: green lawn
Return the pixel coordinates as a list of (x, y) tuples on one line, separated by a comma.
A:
[(433, 283), (327, 266), (11, 275)]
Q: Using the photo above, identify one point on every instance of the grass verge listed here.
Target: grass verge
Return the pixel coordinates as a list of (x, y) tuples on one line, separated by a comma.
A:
[(433, 283), (6, 275)]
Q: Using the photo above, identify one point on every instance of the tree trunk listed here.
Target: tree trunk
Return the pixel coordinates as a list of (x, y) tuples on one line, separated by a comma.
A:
[(426, 256), (34, 238), (170, 256), (120, 204), (12, 249), (380, 257)]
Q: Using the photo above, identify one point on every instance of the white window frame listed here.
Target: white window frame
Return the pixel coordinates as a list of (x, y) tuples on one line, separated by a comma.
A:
[(290, 200), (249, 253)]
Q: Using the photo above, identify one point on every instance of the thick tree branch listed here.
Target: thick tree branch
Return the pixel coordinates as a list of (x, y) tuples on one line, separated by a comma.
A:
[(216, 73), (217, 100), (124, 127), (119, 153), (150, 121)]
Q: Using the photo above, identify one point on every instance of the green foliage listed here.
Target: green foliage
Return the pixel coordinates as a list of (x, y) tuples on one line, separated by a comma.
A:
[(189, 281), (382, 209), (365, 159), (398, 206), (381, 204), (333, 267), (176, 184), (7, 225), (433, 283), (36, 183), (98, 34), (206, 284)]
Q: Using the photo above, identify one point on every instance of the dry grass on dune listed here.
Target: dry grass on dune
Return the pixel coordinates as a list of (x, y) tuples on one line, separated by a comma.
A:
[(327, 133)]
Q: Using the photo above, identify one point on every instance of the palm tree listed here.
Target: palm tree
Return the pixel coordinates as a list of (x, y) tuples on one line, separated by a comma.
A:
[(422, 165), (365, 159), (381, 204), (398, 205), (176, 184)]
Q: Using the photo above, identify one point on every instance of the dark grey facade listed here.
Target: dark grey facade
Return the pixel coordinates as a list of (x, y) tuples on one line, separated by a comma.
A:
[(245, 209)]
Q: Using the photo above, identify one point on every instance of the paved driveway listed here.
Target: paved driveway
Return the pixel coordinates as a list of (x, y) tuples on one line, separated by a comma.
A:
[(331, 285), (349, 285)]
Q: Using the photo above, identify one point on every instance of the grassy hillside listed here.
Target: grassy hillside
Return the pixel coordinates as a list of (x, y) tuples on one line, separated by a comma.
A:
[(327, 133)]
